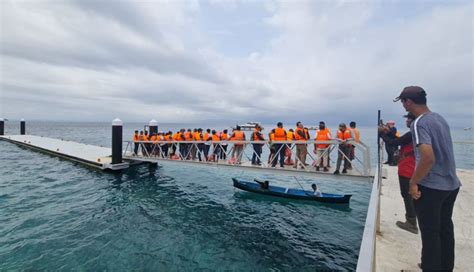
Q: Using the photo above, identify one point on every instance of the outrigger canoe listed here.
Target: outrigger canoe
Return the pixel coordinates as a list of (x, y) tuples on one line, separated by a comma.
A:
[(289, 192)]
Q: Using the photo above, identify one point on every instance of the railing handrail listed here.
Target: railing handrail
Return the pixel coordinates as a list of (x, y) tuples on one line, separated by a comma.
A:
[(367, 251)]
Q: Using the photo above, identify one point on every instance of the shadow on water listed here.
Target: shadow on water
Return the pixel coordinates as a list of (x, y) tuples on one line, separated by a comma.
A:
[(248, 196)]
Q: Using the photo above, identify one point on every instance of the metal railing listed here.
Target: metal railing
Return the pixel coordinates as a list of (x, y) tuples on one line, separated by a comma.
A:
[(244, 153), (367, 252)]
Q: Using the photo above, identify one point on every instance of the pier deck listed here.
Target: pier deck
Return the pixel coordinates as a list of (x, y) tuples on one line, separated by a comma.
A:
[(91, 155), (399, 250)]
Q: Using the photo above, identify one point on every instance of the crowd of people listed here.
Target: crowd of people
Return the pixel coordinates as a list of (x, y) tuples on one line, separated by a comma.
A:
[(196, 144)]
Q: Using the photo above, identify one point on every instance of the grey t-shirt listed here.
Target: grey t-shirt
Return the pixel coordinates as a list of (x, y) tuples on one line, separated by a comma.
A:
[(431, 128)]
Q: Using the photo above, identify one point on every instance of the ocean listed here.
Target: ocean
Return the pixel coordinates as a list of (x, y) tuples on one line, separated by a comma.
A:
[(58, 215)]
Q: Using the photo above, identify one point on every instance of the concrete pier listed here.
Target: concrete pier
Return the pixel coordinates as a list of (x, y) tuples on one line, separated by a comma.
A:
[(94, 156), (399, 250)]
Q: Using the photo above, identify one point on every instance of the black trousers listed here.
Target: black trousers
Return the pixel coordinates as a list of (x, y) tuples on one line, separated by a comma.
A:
[(257, 154), (390, 151), (135, 150), (206, 151), (434, 210), (280, 150), (200, 150), (407, 199)]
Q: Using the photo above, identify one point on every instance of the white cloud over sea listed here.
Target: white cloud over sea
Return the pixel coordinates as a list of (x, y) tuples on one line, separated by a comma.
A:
[(233, 61)]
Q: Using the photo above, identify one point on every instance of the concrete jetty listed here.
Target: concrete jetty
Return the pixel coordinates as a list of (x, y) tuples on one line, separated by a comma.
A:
[(399, 250), (90, 155)]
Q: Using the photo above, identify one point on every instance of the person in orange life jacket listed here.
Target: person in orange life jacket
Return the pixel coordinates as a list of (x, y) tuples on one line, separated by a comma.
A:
[(280, 135), (193, 146), (182, 146), (223, 147), (343, 135), (167, 137), (215, 146), (356, 133), (207, 143), (301, 149), (146, 145), (392, 134), (188, 136), (151, 146), (257, 147), (135, 139), (271, 137), (290, 136), (175, 137), (406, 168), (141, 139), (200, 145), (237, 135), (321, 150)]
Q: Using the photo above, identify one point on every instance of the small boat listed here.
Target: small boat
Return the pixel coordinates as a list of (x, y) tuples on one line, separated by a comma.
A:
[(467, 128), (249, 125), (289, 192)]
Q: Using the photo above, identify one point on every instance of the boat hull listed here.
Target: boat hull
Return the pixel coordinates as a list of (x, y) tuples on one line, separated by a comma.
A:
[(290, 193)]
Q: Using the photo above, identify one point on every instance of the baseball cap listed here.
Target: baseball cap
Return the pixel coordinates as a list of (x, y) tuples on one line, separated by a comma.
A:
[(411, 92)]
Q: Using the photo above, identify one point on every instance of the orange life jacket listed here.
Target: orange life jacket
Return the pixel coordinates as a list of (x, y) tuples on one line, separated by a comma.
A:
[(238, 136), (142, 137), (215, 138), (290, 136), (206, 136), (224, 136), (257, 137), (188, 136), (344, 136), (272, 136), (198, 136), (153, 138), (136, 138), (280, 134), (322, 135), (177, 136), (167, 137), (298, 136)]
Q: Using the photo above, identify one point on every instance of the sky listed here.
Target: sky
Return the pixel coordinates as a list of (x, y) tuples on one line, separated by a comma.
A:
[(226, 61)]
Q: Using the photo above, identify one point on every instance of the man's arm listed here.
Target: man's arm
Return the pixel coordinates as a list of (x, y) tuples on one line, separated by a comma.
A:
[(426, 162)]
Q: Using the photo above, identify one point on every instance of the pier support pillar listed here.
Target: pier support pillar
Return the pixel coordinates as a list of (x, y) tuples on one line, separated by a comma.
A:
[(117, 128), (2, 127), (153, 125), (22, 127)]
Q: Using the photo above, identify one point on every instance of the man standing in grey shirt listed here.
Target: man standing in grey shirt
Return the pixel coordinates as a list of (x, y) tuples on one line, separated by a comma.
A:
[(434, 185)]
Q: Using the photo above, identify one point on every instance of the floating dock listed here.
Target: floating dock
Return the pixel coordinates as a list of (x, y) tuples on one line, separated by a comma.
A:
[(90, 155), (400, 250)]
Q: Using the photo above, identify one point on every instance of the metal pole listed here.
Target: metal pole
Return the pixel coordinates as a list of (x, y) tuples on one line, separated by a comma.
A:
[(22, 127), (153, 127), (117, 128), (379, 179), (2, 127)]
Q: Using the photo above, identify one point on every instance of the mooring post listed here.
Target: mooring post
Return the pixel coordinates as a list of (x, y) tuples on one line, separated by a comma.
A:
[(2, 127), (153, 126), (117, 128), (22, 126)]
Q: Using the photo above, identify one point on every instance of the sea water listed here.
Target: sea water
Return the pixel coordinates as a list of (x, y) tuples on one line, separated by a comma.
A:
[(58, 215)]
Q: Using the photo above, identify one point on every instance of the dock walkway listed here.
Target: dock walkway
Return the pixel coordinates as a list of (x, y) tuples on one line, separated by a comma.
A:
[(399, 250), (91, 155)]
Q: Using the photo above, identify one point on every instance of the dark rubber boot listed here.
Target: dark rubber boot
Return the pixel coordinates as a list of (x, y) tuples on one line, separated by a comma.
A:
[(409, 225)]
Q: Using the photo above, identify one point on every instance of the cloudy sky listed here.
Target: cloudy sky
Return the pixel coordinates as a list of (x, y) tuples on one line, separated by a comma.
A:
[(233, 61)]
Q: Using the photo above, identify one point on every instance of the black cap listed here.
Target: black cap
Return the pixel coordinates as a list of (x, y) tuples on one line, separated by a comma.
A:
[(411, 92)]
